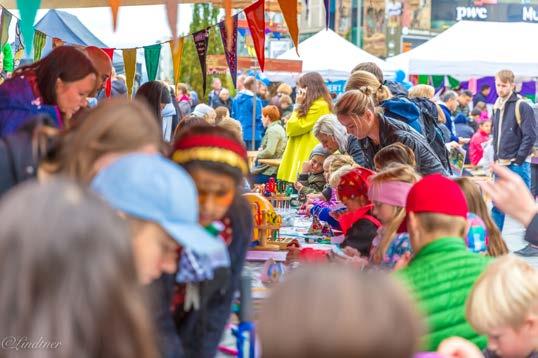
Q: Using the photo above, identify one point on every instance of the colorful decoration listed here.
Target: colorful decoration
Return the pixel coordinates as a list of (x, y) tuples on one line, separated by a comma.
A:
[(114, 7), (28, 10), (327, 4), (152, 54), (267, 222), (176, 47), (201, 41), (129, 60), (171, 14), (19, 46), (4, 29), (108, 87), (39, 43), (231, 29), (289, 10), (255, 14), (230, 48)]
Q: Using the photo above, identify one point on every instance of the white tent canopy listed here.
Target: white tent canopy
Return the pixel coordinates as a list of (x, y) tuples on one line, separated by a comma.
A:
[(331, 55), (475, 49)]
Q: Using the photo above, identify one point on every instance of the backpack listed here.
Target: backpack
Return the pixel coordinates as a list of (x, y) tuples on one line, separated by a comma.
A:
[(403, 109), (429, 115)]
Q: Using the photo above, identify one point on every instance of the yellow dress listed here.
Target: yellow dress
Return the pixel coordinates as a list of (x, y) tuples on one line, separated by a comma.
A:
[(301, 141)]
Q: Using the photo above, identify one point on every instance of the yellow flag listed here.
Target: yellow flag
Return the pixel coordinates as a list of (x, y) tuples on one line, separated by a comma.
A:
[(129, 60), (176, 47)]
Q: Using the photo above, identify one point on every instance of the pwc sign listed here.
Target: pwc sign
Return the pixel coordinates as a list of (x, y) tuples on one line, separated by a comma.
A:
[(471, 13)]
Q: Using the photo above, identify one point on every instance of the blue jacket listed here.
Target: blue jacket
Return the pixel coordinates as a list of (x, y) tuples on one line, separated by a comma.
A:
[(242, 111), (404, 110), (19, 104), (516, 141), (449, 122)]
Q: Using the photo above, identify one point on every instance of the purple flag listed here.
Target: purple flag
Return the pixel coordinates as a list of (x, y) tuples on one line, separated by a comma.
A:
[(201, 41), (230, 51)]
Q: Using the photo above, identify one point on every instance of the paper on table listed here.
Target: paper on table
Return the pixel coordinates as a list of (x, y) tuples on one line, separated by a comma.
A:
[(258, 255)]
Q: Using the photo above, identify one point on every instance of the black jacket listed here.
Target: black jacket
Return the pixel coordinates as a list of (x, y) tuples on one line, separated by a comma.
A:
[(516, 141), (393, 131), (360, 236), (354, 150)]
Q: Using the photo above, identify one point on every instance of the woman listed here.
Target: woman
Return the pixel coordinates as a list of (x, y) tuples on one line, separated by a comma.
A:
[(333, 136), (114, 128), (69, 277), (356, 111), (157, 96), (313, 101), (53, 86)]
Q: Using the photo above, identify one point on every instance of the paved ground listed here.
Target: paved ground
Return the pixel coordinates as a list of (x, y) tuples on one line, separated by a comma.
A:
[(513, 234)]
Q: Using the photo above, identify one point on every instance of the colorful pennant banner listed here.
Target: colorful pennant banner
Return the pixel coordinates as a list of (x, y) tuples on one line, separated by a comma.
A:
[(230, 47), (176, 47), (255, 14), (129, 61), (108, 86), (201, 42), (152, 54), (115, 8), (289, 10)]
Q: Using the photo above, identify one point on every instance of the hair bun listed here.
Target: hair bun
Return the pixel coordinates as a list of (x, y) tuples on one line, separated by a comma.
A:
[(366, 90)]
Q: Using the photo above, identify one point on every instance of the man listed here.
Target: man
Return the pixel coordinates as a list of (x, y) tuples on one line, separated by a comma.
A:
[(443, 270), (482, 96), (102, 64), (242, 110), (449, 104), (514, 134), (213, 99), (464, 99)]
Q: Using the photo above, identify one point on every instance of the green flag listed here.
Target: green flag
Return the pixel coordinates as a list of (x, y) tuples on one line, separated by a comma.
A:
[(39, 43), (152, 55), (454, 83), (28, 10), (423, 79)]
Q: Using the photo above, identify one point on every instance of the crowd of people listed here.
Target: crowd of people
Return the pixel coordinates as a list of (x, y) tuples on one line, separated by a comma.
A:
[(124, 230)]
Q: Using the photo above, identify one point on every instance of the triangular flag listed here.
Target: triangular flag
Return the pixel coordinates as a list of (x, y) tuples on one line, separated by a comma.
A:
[(230, 48), (115, 8), (201, 41), (108, 87), (229, 23), (327, 4), (28, 10), (171, 12), (289, 10), (19, 46), (129, 61), (152, 54), (4, 29), (39, 43), (176, 47), (255, 14)]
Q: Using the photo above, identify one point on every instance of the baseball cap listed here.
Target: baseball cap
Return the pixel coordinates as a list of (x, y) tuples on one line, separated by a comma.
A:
[(438, 195), (153, 188)]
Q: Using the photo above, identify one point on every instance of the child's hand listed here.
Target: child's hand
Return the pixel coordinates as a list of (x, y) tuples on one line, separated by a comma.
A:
[(351, 251), (403, 261), (336, 214), (457, 347), (307, 167), (298, 186)]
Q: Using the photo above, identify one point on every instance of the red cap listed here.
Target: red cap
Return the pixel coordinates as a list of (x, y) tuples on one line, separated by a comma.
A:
[(437, 194)]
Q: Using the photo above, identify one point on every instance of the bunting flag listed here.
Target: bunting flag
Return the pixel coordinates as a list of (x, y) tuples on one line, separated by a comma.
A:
[(327, 4), (176, 47), (152, 54), (39, 43), (230, 29), (230, 48), (289, 10), (255, 14), (423, 79), (438, 81), (453, 82), (129, 61), (171, 13), (115, 8), (108, 87), (18, 51), (4, 29), (201, 42), (28, 10)]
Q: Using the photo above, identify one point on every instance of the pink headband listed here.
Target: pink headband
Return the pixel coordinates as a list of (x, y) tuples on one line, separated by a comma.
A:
[(390, 192)]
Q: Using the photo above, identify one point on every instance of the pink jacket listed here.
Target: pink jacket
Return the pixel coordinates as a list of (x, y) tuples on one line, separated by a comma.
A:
[(476, 151)]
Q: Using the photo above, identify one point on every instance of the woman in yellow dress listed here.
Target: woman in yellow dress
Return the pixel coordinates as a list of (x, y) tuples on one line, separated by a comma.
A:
[(313, 101)]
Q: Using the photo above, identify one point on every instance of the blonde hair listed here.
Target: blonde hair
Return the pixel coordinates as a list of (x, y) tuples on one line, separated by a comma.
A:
[(285, 89), (418, 91), (334, 179), (441, 223), (371, 307), (234, 126), (341, 160), (394, 172), (369, 85), (505, 293), (285, 99), (506, 76), (354, 102), (395, 153)]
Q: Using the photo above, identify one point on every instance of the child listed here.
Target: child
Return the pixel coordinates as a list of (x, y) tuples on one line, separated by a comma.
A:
[(273, 145), (495, 243), (358, 224), (217, 161), (388, 192), (476, 147), (222, 113), (285, 107), (504, 305), (441, 273), (331, 165), (312, 180), (394, 153), (371, 307)]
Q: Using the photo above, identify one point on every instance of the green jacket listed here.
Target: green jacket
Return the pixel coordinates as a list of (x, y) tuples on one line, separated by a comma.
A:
[(273, 144), (440, 278), (312, 184)]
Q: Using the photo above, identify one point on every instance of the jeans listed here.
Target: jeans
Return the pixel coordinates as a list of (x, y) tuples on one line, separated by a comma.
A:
[(524, 171), (534, 179)]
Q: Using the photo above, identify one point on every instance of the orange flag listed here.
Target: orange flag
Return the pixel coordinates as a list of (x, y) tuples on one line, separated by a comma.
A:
[(171, 12), (229, 22), (114, 7), (289, 10)]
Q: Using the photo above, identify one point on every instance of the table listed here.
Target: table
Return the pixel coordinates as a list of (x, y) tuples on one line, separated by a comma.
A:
[(270, 162), (251, 155)]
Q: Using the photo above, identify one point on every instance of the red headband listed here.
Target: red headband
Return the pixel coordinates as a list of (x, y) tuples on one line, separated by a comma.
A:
[(354, 184), (211, 140)]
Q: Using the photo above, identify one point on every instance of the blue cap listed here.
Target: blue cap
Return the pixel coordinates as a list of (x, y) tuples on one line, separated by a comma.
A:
[(153, 188)]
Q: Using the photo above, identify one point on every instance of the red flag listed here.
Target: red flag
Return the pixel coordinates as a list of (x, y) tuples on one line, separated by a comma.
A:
[(256, 23), (108, 88)]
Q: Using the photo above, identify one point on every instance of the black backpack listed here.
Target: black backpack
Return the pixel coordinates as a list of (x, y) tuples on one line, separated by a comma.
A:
[(429, 117)]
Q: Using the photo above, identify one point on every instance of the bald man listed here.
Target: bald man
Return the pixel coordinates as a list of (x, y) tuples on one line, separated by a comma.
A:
[(102, 64)]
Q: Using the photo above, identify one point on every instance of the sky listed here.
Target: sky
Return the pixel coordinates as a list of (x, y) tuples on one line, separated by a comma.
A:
[(137, 25)]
